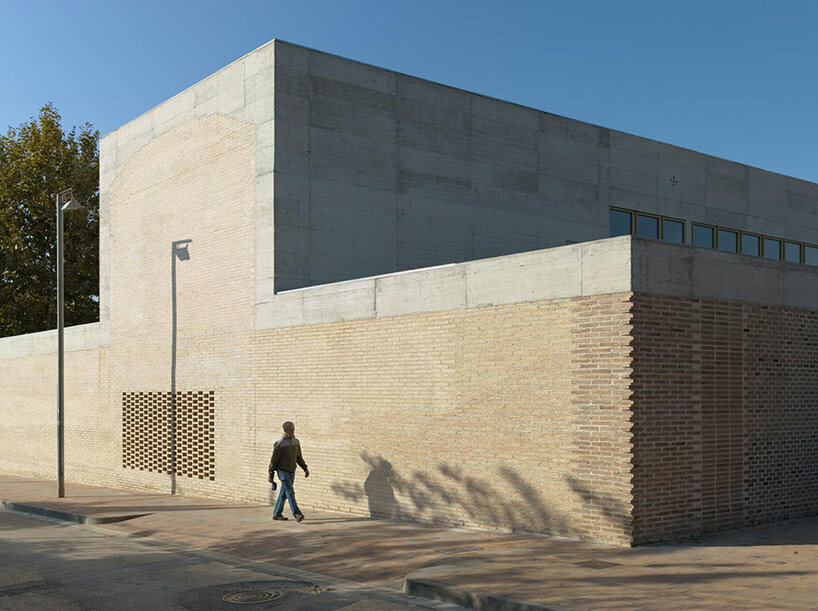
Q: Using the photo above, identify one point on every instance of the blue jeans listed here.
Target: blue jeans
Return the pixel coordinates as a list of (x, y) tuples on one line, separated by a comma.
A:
[(286, 478)]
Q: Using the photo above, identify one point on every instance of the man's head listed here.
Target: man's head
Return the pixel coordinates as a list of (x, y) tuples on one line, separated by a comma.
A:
[(289, 429)]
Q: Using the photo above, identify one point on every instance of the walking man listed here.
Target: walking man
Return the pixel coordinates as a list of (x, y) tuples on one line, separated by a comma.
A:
[(286, 455)]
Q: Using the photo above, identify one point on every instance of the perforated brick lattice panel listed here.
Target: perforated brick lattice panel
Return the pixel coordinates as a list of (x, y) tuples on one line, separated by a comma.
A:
[(148, 432)]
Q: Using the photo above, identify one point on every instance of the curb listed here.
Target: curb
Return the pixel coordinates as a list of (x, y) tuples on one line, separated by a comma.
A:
[(419, 583), (67, 516)]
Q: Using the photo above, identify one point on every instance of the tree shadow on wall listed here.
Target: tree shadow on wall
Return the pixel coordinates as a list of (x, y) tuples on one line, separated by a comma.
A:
[(443, 496)]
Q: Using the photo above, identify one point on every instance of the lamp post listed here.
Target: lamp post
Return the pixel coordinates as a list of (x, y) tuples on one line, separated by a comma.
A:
[(65, 201)]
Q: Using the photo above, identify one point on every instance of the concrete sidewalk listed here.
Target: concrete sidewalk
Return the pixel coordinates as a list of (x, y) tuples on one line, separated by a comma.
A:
[(771, 567)]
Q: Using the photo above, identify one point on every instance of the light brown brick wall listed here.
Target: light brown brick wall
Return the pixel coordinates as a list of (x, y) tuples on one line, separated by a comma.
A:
[(514, 416), (725, 415), (28, 416), (510, 417)]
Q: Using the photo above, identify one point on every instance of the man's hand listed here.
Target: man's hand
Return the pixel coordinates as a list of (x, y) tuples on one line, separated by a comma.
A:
[(306, 473), (270, 479)]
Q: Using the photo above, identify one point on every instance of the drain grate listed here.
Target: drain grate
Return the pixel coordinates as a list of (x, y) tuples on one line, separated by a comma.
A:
[(597, 564), (252, 597)]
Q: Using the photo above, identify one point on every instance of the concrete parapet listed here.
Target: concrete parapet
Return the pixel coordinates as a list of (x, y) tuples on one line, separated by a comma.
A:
[(682, 271), (591, 268), (80, 337), (613, 265)]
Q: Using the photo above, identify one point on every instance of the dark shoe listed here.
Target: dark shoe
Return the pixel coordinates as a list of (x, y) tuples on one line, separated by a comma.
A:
[(280, 518), (299, 517)]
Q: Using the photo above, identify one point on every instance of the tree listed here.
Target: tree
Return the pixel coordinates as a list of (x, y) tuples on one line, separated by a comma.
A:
[(37, 160)]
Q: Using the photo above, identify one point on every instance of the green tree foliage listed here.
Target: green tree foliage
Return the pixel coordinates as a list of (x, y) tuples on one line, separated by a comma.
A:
[(37, 160)]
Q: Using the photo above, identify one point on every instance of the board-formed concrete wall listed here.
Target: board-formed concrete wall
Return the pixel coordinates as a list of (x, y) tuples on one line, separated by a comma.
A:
[(379, 172)]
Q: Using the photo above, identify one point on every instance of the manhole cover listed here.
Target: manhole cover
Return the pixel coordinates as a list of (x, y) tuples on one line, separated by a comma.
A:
[(597, 564), (252, 597)]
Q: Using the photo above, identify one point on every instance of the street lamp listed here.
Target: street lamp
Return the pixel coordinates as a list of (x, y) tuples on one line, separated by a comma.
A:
[(65, 201)]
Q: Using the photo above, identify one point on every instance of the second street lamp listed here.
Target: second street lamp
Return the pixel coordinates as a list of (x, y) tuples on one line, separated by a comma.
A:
[(65, 201)]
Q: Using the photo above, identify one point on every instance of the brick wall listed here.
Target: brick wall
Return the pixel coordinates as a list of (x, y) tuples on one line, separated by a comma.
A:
[(515, 416), (623, 418), (725, 415), (28, 416), (502, 417)]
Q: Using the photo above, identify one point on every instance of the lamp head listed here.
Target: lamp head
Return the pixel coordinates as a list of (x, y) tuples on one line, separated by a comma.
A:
[(72, 204), (66, 198)]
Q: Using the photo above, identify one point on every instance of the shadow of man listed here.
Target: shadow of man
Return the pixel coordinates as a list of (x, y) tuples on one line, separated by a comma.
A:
[(378, 488)]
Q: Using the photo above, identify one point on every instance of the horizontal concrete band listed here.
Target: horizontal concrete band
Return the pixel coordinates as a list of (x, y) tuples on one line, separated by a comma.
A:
[(588, 268), (608, 266), (79, 337), (660, 268)]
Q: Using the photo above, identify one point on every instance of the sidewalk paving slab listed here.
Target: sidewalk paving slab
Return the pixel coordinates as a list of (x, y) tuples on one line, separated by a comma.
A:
[(773, 566)]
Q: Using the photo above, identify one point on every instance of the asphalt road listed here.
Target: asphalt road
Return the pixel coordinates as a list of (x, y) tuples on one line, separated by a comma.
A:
[(50, 565)]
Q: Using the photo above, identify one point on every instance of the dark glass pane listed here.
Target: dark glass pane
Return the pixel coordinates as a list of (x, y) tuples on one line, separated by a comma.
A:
[(728, 240), (792, 252), (673, 231), (772, 248), (647, 226), (750, 245), (703, 236), (620, 223), (810, 255)]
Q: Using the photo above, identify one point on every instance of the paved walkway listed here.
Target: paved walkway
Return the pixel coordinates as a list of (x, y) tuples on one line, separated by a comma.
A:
[(769, 567)]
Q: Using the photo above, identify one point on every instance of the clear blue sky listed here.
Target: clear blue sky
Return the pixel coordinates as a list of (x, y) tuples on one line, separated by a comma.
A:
[(733, 78)]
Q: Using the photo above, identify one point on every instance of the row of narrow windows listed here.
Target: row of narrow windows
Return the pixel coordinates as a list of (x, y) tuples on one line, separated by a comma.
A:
[(642, 224)]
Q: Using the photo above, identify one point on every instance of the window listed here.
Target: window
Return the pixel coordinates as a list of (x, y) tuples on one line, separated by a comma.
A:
[(669, 229), (728, 240), (750, 245), (792, 252), (621, 222), (811, 255), (647, 226), (673, 231), (703, 236), (772, 248)]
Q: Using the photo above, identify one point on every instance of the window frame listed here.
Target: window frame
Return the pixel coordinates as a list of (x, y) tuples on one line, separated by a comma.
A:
[(737, 233), (713, 228), (632, 213), (800, 246), (755, 235), (658, 218), (780, 248), (806, 245), (674, 219)]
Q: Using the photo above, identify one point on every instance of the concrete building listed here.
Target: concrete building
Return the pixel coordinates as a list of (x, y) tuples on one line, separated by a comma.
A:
[(424, 280)]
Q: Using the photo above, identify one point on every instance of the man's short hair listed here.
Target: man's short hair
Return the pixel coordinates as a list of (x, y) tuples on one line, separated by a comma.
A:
[(287, 425)]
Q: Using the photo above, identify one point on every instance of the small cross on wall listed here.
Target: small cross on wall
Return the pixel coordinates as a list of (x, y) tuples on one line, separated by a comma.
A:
[(673, 181)]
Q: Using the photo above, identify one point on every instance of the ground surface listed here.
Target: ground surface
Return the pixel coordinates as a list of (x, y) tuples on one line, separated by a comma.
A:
[(769, 567), (52, 565)]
